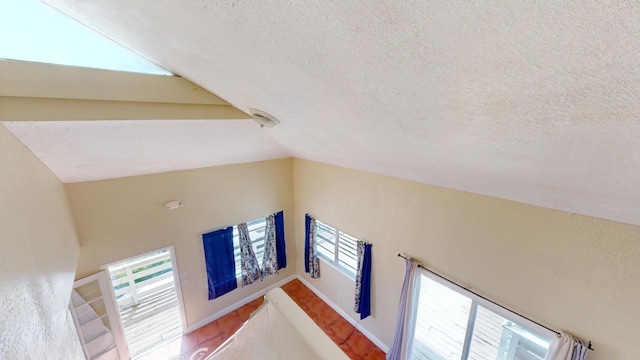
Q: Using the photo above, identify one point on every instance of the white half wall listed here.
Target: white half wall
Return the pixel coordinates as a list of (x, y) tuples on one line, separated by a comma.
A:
[(37, 261), (564, 270)]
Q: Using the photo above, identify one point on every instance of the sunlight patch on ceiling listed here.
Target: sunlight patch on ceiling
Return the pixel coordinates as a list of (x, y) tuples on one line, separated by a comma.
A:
[(33, 31)]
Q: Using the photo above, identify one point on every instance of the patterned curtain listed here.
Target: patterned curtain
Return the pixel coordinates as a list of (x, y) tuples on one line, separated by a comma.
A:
[(248, 261), (312, 264), (270, 259), (363, 280)]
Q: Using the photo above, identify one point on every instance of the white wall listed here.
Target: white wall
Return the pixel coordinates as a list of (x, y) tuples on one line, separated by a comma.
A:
[(120, 218), (37, 260), (568, 271)]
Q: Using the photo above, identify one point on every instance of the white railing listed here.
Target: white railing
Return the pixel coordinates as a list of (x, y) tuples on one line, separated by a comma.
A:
[(131, 273)]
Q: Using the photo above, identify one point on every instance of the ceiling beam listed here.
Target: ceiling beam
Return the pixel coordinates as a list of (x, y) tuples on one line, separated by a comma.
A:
[(35, 91), (43, 109)]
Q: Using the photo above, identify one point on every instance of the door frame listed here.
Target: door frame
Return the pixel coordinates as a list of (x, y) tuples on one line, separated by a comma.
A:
[(176, 281)]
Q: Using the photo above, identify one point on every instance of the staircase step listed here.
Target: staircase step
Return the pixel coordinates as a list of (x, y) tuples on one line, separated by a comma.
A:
[(100, 344), (93, 329), (110, 354)]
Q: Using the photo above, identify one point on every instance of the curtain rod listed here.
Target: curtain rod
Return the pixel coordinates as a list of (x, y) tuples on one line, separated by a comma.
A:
[(489, 300)]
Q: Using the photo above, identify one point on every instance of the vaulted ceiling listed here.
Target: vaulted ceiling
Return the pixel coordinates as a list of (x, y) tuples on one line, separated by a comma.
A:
[(537, 102)]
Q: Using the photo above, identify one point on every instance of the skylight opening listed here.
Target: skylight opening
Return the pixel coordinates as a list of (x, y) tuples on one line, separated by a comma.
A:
[(33, 31)]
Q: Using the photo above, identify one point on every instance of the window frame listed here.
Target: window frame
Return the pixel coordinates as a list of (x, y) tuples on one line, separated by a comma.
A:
[(475, 302), (335, 262)]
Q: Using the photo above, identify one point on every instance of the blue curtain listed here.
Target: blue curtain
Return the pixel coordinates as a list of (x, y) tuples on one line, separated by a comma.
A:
[(281, 250), (363, 301), (221, 265)]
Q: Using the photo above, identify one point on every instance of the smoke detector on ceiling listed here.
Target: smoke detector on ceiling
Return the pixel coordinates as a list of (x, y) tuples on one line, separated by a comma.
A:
[(263, 119)]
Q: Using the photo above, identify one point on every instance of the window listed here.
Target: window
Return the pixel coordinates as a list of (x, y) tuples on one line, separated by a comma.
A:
[(257, 230), (33, 31), (451, 323), (337, 248)]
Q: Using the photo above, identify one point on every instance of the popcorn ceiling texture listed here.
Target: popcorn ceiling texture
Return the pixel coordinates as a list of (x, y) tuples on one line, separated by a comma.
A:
[(533, 101), (37, 261), (93, 150)]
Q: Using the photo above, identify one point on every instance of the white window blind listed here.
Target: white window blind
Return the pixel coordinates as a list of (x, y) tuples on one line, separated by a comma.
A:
[(337, 248), (326, 240), (347, 253)]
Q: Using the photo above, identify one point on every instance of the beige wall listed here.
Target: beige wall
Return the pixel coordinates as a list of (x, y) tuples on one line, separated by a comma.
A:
[(37, 260), (568, 271), (120, 218)]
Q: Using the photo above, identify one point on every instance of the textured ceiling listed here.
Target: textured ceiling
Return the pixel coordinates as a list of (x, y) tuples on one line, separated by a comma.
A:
[(93, 150), (534, 101)]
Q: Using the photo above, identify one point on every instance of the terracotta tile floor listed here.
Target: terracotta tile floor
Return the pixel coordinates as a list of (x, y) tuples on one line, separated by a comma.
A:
[(206, 339), (351, 340)]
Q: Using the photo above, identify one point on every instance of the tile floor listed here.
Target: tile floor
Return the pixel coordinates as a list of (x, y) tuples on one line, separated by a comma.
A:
[(205, 340), (351, 340)]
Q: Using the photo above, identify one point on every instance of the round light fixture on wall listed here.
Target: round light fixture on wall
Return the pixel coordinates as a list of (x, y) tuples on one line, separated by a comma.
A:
[(263, 119)]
